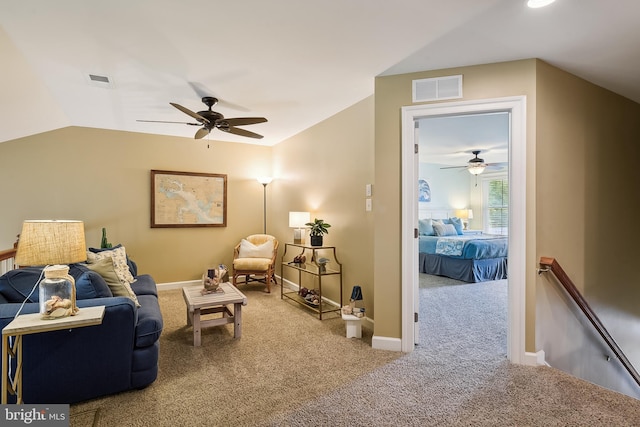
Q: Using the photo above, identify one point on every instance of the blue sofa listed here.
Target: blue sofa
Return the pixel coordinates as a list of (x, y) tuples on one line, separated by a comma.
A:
[(84, 363)]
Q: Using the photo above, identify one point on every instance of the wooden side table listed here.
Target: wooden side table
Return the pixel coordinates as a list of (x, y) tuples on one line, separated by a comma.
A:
[(26, 324), (199, 304)]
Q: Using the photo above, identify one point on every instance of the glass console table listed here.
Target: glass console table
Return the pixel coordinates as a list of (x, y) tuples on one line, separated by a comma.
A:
[(320, 263)]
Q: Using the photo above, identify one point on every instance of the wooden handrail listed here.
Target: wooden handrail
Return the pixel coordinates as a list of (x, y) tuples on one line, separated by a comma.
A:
[(7, 254), (552, 265)]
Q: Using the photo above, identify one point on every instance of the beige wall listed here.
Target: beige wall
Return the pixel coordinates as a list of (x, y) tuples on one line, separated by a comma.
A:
[(393, 92), (587, 151), (103, 178), (324, 170)]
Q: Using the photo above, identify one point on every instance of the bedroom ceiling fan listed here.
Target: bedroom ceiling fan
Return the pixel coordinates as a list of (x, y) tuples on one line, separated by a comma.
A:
[(210, 120), (476, 165)]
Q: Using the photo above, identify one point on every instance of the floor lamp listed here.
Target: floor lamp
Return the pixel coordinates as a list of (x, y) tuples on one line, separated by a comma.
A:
[(264, 180)]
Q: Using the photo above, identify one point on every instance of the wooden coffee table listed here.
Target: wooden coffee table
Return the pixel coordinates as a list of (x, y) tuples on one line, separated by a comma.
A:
[(218, 302)]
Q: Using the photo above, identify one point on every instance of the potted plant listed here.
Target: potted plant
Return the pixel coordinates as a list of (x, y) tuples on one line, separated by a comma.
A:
[(317, 229)]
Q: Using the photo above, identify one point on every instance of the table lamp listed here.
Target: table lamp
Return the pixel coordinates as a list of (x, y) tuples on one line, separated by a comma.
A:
[(298, 221), (52, 243), (356, 295)]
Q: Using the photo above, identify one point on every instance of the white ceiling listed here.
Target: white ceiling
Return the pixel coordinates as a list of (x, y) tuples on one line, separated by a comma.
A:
[(294, 62)]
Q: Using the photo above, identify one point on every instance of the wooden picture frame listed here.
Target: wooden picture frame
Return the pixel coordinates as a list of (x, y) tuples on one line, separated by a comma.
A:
[(188, 199)]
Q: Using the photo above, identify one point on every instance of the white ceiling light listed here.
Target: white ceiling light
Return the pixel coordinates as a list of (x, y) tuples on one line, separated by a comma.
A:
[(539, 3), (476, 169)]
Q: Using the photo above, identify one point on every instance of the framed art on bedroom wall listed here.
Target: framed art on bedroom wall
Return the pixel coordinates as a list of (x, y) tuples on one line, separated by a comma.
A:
[(188, 199)]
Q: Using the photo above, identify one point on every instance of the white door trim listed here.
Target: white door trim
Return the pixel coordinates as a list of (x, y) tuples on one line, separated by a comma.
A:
[(517, 214)]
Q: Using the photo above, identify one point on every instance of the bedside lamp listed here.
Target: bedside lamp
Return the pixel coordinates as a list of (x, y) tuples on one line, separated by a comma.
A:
[(298, 221), (52, 243), (465, 215)]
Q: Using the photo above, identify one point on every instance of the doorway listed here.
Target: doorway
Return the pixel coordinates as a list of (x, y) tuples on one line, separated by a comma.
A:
[(517, 173)]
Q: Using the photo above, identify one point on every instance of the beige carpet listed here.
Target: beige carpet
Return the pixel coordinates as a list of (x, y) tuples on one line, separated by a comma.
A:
[(290, 369), (286, 357)]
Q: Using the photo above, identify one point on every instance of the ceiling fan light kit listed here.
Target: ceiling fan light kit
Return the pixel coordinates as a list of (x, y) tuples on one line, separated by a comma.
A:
[(210, 120), (476, 169)]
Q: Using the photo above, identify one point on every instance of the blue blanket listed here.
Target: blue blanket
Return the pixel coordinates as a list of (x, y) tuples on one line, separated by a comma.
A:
[(465, 247)]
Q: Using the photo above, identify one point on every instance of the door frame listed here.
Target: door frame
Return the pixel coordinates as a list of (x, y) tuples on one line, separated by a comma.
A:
[(516, 268)]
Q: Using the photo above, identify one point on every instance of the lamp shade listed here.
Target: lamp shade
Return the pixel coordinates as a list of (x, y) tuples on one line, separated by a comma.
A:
[(356, 293), (48, 242), (299, 219), (264, 180)]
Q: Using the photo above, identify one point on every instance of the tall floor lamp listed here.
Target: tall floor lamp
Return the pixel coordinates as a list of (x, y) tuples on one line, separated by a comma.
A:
[(265, 180)]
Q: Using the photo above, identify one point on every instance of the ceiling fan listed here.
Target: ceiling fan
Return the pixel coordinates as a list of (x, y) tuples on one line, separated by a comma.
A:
[(476, 165), (210, 120)]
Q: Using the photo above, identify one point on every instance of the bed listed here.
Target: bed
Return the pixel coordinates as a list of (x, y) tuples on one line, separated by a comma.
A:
[(470, 258)]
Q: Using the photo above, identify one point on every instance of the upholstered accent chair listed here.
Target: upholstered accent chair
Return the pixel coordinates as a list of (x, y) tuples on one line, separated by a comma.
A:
[(255, 259)]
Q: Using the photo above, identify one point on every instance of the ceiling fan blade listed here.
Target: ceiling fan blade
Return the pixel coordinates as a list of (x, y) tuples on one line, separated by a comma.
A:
[(240, 121), (202, 133), (185, 110), (164, 121), (453, 167), (241, 132)]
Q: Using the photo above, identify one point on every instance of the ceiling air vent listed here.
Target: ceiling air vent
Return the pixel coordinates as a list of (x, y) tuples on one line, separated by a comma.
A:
[(438, 88), (98, 80)]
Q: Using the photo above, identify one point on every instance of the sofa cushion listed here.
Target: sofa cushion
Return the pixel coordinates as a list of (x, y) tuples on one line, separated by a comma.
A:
[(145, 285), (18, 285), (119, 288), (91, 285), (149, 325)]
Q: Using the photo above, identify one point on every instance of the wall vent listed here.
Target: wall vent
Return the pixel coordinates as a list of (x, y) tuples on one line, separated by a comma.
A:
[(449, 87)]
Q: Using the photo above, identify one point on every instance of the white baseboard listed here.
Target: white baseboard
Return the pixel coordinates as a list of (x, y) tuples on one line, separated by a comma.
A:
[(177, 285), (386, 343), (535, 359)]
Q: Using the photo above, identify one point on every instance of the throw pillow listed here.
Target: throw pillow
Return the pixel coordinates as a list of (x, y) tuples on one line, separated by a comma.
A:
[(425, 227), (249, 250), (132, 265), (444, 229), (119, 288), (457, 223), (119, 256)]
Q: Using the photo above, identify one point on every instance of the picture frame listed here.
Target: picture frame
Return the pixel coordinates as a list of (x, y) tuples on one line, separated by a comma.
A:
[(188, 199)]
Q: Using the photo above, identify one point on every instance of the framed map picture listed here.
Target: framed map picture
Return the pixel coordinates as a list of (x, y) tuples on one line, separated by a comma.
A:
[(188, 199)]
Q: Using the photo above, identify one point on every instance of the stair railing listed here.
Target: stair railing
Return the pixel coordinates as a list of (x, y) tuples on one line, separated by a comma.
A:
[(550, 264), (8, 259)]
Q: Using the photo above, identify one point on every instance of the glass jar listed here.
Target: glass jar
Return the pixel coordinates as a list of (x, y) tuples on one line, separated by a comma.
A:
[(57, 293)]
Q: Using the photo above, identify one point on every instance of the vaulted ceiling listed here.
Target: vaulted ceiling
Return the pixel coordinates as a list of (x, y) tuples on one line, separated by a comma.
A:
[(294, 62)]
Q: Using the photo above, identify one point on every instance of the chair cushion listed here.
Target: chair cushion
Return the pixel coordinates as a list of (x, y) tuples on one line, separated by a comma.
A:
[(252, 264)]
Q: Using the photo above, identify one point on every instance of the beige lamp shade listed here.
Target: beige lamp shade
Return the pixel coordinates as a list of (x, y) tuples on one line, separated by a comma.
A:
[(49, 242)]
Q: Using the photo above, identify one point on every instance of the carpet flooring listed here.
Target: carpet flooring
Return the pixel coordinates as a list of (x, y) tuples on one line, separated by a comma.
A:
[(290, 369)]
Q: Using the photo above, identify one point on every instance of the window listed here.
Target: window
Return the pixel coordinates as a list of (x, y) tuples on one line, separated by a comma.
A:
[(496, 205)]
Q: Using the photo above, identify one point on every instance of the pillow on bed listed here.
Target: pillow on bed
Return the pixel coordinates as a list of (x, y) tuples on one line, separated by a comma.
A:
[(444, 229), (457, 223), (425, 227)]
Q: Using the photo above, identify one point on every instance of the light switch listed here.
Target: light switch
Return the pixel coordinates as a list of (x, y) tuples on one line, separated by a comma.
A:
[(367, 205), (367, 190)]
